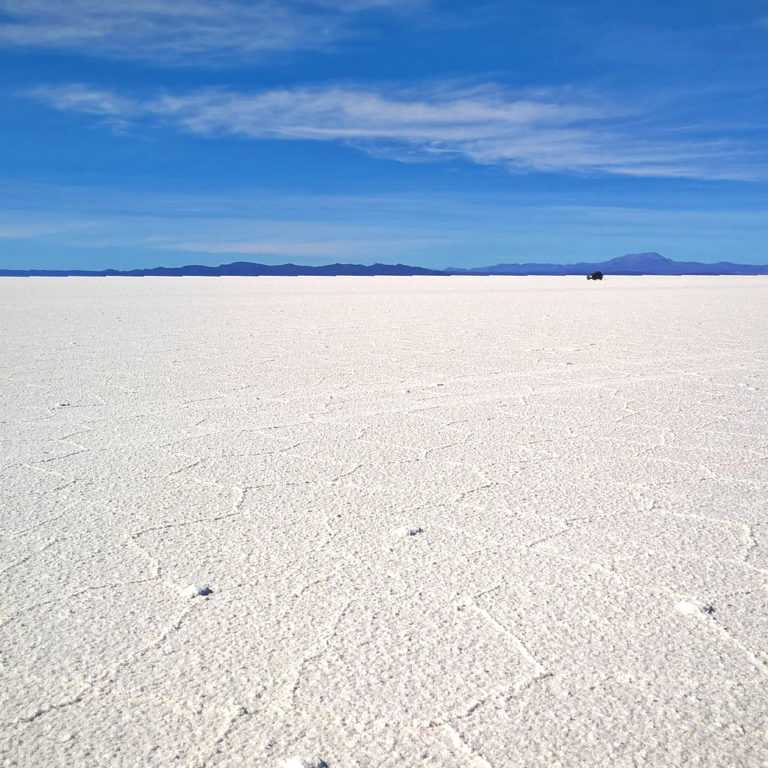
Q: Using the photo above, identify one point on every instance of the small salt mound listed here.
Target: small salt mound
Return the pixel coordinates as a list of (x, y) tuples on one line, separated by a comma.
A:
[(409, 531), (303, 762), (689, 609), (196, 590)]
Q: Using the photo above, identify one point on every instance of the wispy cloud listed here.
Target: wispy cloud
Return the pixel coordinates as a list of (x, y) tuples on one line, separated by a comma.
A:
[(9, 232), (557, 131), (354, 248), (262, 224), (100, 227), (192, 32)]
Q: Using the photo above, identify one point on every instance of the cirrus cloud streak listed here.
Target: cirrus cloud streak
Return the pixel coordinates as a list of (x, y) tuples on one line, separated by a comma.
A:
[(188, 32), (549, 131)]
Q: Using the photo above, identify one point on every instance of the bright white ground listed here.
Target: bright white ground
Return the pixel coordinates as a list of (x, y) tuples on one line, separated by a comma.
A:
[(587, 463)]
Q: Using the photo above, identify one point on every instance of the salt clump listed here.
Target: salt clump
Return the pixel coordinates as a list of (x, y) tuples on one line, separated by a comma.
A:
[(196, 590), (689, 608), (409, 531), (303, 762)]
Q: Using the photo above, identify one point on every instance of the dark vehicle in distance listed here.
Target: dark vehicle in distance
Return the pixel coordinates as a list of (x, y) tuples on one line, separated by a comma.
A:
[(595, 276)]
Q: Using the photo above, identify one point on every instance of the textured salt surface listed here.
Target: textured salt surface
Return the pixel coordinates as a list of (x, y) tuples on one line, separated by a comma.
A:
[(587, 463)]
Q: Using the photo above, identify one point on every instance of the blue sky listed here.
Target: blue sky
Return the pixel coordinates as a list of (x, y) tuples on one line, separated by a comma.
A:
[(420, 131)]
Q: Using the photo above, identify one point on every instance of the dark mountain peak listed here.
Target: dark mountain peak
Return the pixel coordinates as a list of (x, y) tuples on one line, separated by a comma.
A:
[(644, 260)]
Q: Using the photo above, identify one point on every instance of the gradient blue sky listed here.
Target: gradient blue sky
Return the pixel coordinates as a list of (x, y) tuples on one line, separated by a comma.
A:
[(422, 131)]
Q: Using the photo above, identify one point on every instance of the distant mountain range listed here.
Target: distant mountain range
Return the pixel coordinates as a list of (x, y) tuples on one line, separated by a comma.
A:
[(631, 264), (236, 269)]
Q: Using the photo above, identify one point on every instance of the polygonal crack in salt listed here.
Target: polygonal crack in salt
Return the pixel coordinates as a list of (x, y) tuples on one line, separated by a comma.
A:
[(197, 590)]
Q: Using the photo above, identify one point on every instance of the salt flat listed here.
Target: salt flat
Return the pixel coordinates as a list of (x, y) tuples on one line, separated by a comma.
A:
[(443, 522)]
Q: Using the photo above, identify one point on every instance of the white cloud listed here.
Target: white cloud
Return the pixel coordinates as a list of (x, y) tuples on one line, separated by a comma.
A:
[(289, 248), (24, 233), (182, 31), (116, 226), (89, 101), (544, 131)]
